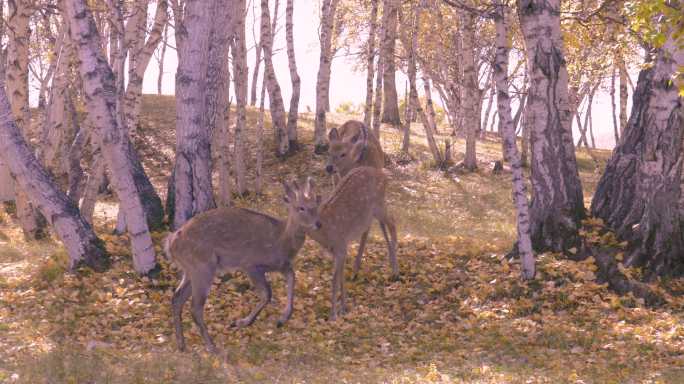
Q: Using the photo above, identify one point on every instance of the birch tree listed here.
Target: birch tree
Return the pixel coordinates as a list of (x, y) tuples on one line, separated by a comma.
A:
[(83, 246), (557, 206), (293, 112), (192, 172), (470, 89), (377, 103), (275, 98), (17, 73), (500, 74), (240, 75), (370, 70), (217, 93), (99, 88), (390, 106), (328, 9), (642, 180), (140, 58)]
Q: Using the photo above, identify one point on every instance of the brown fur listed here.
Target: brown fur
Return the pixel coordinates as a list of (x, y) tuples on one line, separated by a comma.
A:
[(228, 239), (348, 134), (353, 145), (347, 214)]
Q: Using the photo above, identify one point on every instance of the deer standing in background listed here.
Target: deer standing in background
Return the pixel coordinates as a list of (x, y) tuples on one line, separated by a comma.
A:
[(347, 214), (353, 134), (229, 239)]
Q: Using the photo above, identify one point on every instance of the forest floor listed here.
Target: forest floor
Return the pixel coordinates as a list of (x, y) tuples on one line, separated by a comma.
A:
[(459, 313)]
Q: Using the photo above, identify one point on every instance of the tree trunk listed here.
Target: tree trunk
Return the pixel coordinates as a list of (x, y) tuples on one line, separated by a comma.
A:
[(370, 70), (257, 62), (275, 98), (642, 181), (412, 95), (138, 62), (624, 78), (328, 10), (616, 127), (293, 112), (471, 97), (432, 116), (240, 75), (57, 134), (17, 75), (218, 93), (162, 56), (490, 102), (377, 103), (557, 206), (83, 246), (192, 172), (500, 75), (390, 106), (100, 90), (259, 143)]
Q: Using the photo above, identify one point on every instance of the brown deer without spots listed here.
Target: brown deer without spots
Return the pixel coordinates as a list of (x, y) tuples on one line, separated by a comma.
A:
[(347, 214), (229, 239), (354, 137)]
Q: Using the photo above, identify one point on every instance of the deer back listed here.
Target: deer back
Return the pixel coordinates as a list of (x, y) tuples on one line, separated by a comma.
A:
[(230, 238), (348, 212)]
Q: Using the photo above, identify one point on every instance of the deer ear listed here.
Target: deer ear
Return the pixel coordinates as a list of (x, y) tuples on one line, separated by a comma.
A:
[(362, 135), (357, 151), (333, 135), (289, 192)]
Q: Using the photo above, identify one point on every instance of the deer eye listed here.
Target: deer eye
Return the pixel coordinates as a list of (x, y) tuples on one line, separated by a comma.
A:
[(301, 209), (343, 155)]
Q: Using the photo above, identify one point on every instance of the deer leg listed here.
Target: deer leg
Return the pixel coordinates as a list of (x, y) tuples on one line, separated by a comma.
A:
[(359, 254), (200, 291), (290, 276), (387, 223), (258, 278), (338, 270), (180, 296)]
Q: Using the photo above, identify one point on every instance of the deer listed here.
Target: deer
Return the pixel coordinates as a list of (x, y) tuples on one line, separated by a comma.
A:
[(238, 239), (347, 214), (353, 134)]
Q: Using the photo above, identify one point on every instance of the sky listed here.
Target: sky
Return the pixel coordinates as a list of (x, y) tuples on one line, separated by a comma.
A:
[(345, 84)]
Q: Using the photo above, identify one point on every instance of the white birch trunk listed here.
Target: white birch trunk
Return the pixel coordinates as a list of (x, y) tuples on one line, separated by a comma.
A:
[(257, 60), (293, 112), (328, 10), (78, 237), (275, 98), (624, 77), (218, 93), (377, 103), (639, 194), (259, 143), (17, 72), (471, 90), (192, 172), (370, 70), (390, 106), (240, 75), (500, 75), (162, 56), (138, 62), (557, 207), (100, 90)]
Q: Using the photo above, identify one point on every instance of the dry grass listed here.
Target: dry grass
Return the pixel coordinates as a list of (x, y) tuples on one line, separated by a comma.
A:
[(459, 313)]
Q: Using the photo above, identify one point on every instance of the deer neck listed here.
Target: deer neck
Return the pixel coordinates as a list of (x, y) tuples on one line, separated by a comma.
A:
[(293, 235)]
